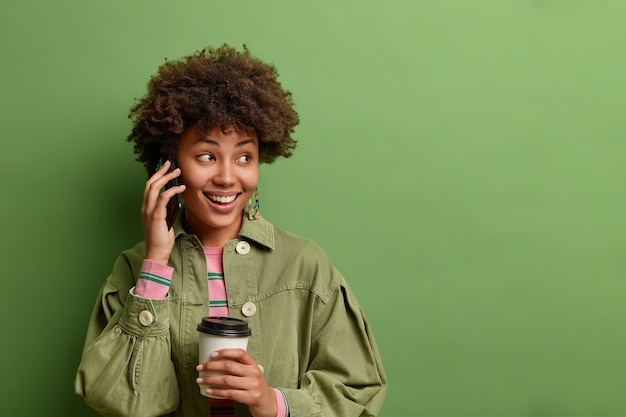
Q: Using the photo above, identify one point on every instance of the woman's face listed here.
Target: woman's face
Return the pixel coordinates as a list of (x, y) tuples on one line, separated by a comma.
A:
[(220, 172)]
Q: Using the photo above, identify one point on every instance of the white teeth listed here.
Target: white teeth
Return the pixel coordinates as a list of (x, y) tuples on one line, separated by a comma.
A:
[(223, 200)]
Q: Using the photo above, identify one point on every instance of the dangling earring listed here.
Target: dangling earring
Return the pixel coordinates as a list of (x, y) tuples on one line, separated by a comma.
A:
[(254, 210)]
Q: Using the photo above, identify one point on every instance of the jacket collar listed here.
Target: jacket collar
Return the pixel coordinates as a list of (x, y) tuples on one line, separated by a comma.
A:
[(259, 231)]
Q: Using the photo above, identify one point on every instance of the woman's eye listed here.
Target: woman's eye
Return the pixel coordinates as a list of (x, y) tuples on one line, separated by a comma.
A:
[(244, 159), (206, 157)]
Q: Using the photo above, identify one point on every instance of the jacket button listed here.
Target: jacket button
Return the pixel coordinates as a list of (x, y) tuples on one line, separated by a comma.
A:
[(242, 248), (248, 309), (145, 318)]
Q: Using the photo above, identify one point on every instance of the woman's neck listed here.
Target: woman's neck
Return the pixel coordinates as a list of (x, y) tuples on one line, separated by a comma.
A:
[(213, 237)]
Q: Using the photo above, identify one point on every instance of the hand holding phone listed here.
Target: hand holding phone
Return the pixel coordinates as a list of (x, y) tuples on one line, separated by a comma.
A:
[(175, 204), (160, 207)]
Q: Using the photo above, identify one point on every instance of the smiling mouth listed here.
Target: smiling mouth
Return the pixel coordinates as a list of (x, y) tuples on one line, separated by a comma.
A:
[(222, 199)]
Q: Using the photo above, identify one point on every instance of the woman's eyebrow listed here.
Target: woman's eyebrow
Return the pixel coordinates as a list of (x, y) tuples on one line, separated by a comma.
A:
[(209, 141), (216, 143), (244, 142)]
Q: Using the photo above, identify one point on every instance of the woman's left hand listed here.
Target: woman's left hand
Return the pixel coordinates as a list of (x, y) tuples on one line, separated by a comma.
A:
[(242, 380)]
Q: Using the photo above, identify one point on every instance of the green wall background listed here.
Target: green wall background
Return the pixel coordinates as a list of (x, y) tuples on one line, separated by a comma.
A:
[(462, 163)]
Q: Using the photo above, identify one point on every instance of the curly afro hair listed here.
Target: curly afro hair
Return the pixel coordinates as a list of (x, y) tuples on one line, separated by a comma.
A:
[(213, 87)]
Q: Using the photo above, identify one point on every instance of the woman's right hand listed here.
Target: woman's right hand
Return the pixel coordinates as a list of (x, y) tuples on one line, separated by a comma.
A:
[(159, 239)]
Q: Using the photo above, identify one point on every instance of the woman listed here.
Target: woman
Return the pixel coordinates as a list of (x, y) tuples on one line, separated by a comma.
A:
[(219, 113)]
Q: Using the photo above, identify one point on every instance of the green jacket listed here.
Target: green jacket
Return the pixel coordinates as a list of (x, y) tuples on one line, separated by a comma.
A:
[(308, 331)]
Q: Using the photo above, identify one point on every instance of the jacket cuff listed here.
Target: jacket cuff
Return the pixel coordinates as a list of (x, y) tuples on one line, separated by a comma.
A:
[(300, 403), (143, 316)]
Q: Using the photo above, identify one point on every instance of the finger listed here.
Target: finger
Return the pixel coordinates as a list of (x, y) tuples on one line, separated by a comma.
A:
[(160, 179), (231, 383), (151, 190), (159, 172), (234, 361), (159, 212), (223, 381), (254, 393), (154, 186), (163, 199), (223, 392), (227, 366), (238, 355), (167, 195), (236, 395)]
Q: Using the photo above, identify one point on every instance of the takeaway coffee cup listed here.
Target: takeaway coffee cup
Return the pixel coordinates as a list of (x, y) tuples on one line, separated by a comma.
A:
[(220, 333)]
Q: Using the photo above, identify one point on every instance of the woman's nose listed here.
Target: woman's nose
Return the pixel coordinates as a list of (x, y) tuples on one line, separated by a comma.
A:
[(225, 175)]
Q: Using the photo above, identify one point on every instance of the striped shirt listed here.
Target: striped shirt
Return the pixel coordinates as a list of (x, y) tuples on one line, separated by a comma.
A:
[(218, 306)]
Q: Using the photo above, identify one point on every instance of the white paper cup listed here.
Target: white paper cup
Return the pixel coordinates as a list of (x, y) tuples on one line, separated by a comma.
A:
[(220, 333)]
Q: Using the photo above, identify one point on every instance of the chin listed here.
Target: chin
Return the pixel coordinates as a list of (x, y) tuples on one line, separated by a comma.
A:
[(223, 221)]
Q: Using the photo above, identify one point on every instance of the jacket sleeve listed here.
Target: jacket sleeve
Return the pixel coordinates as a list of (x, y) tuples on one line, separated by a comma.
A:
[(345, 376), (126, 367)]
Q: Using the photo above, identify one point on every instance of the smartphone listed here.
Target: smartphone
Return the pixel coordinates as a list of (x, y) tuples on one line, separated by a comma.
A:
[(176, 203)]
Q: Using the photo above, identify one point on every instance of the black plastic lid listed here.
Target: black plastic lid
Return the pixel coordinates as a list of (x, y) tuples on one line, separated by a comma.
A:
[(224, 326)]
